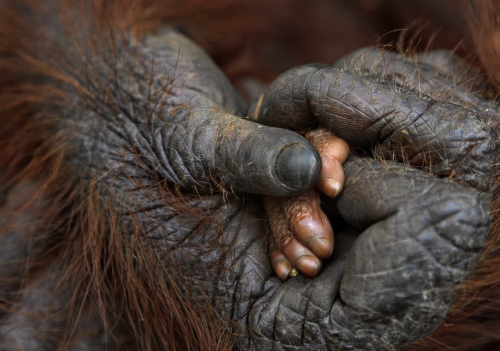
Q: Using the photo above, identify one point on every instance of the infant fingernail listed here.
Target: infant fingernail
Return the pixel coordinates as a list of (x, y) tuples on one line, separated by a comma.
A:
[(331, 187), (283, 270), (321, 247), (308, 265)]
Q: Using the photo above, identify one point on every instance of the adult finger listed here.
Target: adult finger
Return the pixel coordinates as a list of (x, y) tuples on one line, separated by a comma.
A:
[(443, 138)]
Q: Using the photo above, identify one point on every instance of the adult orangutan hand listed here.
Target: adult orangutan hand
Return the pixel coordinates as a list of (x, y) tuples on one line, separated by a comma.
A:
[(411, 240)]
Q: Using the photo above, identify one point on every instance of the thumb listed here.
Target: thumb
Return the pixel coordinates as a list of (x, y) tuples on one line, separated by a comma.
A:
[(213, 148)]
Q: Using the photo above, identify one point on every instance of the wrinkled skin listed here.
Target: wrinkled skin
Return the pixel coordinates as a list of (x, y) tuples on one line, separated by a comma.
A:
[(407, 235), (408, 239)]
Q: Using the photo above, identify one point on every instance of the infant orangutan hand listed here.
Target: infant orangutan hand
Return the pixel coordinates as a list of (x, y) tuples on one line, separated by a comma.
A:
[(301, 234)]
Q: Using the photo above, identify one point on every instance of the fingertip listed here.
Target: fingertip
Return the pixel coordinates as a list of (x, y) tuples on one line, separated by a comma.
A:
[(298, 166), (281, 266), (310, 225), (332, 176), (333, 152), (309, 265), (321, 246), (330, 186), (302, 258), (283, 270)]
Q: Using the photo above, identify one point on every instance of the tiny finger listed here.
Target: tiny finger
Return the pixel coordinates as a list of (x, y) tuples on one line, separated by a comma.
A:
[(302, 258), (333, 152), (280, 264), (310, 225)]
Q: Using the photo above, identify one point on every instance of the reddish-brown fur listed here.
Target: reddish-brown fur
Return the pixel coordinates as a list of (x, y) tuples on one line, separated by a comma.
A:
[(92, 260)]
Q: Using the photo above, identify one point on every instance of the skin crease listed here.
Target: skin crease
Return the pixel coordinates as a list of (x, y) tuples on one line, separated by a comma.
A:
[(133, 188)]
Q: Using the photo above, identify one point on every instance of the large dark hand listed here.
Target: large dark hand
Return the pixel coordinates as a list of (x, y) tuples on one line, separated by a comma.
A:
[(415, 238), (153, 133)]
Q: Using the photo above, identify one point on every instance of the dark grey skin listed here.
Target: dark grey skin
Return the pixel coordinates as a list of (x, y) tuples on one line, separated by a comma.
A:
[(416, 238), (409, 238)]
